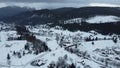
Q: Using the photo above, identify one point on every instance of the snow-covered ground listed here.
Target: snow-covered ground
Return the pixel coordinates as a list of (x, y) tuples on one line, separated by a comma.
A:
[(95, 19), (57, 40), (103, 19)]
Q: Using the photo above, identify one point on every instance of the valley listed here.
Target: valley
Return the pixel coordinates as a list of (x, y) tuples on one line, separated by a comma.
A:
[(62, 48)]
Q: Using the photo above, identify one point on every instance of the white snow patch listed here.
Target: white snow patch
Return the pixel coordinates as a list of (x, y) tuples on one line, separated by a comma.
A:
[(103, 19)]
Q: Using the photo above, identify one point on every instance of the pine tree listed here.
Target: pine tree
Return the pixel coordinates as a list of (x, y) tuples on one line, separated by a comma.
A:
[(26, 46), (8, 57), (8, 60), (14, 53), (37, 52), (92, 43), (115, 40), (72, 66), (96, 38), (23, 53)]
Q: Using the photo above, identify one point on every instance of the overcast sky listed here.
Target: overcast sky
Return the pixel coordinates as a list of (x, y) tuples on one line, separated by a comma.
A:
[(41, 4), (65, 1)]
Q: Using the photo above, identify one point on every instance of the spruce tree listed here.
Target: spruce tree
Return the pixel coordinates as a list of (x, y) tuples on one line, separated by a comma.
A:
[(72, 66), (8, 57)]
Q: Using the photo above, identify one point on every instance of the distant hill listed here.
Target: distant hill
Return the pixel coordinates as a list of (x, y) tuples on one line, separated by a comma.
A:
[(54, 15), (12, 11)]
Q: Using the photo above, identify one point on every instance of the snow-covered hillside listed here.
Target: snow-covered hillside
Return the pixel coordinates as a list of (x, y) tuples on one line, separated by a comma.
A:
[(103, 19), (95, 19), (67, 49)]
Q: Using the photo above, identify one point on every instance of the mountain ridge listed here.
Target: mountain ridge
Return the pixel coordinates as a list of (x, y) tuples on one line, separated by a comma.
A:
[(55, 15), (12, 11)]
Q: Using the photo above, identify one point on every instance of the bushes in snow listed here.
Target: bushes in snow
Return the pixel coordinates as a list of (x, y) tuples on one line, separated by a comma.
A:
[(87, 66), (88, 39), (61, 63), (38, 62), (51, 65), (38, 46)]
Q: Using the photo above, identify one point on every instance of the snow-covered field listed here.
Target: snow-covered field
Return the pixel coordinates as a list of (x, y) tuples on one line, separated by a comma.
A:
[(95, 19), (66, 48), (103, 19)]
